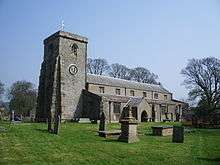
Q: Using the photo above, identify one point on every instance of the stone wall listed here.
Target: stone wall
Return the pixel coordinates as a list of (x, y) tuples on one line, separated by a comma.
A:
[(72, 85), (62, 85), (92, 106), (61, 82), (46, 79), (94, 88)]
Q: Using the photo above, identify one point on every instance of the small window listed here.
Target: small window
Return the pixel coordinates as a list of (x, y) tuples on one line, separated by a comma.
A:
[(144, 94), (117, 107), (165, 97), (131, 92), (118, 91), (155, 95), (74, 48), (101, 90)]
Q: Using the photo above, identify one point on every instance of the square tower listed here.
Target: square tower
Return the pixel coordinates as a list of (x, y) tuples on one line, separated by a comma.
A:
[(62, 77)]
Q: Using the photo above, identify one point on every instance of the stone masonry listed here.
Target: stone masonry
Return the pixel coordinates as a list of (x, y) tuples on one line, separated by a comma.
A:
[(62, 76), (66, 90)]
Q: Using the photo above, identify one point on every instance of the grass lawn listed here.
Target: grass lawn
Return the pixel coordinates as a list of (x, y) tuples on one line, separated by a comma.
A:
[(79, 144)]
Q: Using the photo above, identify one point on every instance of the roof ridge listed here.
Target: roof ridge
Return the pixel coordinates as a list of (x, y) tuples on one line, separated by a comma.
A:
[(123, 79), (118, 82)]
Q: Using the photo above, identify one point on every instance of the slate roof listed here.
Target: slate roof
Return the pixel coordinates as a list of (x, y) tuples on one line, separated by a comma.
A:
[(134, 102), (110, 81)]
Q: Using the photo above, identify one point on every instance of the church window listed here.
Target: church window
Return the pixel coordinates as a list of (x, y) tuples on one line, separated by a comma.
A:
[(155, 95), (131, 93), (165, 97), (74, 48), (117, 107), (117, 91), (144, 94), (101, 90)]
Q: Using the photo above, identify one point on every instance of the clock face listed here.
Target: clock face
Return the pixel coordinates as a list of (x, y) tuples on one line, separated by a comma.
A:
[(73, 69)]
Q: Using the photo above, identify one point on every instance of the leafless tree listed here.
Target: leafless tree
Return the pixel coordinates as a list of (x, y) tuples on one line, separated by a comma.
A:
[(97, 66), (203, 81), (141, 74), (119, 71), (2, 90)]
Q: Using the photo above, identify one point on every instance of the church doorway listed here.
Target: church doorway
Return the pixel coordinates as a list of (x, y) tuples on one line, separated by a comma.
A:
[(134, 112), (144, 116)]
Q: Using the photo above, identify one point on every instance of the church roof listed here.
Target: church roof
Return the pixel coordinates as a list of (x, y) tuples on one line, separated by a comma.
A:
[(134, 102), (110, 81)]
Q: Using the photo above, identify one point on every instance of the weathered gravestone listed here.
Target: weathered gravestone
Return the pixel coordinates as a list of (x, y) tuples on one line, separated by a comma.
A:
[(54, 120), (128, 127), (49, 124), (12, 115), (102, 126), (57, 124), (178, 134)]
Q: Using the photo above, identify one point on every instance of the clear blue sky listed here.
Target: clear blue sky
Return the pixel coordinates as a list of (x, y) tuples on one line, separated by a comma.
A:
[(157, 34)]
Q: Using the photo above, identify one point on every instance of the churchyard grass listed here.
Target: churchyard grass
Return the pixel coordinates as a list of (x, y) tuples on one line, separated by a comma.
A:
[(30, 143)]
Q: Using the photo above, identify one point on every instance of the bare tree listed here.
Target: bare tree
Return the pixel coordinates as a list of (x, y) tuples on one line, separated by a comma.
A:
[(141, 74), (2, 90), (97, 66), (119, 71), (203, 81)]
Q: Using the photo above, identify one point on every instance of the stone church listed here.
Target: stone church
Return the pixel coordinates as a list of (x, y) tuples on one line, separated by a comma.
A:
[(66, 89)]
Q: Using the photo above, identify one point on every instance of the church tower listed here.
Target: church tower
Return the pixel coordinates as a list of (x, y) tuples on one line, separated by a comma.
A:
[(62, 77)]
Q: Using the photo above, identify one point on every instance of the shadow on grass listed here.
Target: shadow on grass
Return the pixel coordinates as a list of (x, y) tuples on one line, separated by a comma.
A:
[(210, 159), (148, 134), (41, 130), (110, 140)]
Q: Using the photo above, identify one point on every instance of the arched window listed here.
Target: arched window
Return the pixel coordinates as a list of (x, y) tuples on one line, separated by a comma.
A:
[(74, 48)]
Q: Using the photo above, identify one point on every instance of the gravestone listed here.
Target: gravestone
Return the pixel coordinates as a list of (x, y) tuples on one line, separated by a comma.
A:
[(57, 125), (49, 124), (178, 134), (102, 126), (12, 115), (128, 127)]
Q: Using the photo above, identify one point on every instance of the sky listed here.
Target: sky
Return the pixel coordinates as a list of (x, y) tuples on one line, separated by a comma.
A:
[(156, 34)]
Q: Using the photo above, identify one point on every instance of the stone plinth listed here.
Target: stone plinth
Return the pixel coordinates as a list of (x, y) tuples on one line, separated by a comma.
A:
[(162, 130), (178, 134), (128, 131), (129, 128)]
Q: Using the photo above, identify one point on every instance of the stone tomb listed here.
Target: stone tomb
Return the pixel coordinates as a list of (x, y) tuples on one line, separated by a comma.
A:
[(162, 130), (84, 120), (128, 128), (112, 133)]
